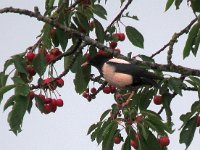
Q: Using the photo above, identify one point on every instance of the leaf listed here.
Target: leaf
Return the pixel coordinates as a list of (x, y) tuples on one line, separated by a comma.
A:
[(46, 40), (108, 136), (62, 38), (152, 142), (135, 37), (175, 85), (5, 89), (19, 63), (22, 89), (195, 107), (3, 79), (9, 102), (196, 43), (178, 3), (91, 128), (195, 5), (7, 64), (169, 4), (100, 132), (82, 21), (100, 11), (195, 80), (127, 145), (99, 30), (39, 103), (15, 117), (187, 133), (190, 40), (39, 64), (105, 114)]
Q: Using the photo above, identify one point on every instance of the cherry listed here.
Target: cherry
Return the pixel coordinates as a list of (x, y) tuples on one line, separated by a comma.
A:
[(53, 105), (49, 58), (112, 89), (106, 90), (47, 108), (47, 100), (157, 100), (42, 97), (56, 52), (119, 36), (53, 32), (30, 56), (134, 144), (164, 141), (93, 90), (31, 95), (117, 140), (92, 24), (113, 45), (85, 94), (198, 121), (60, 82), (59, 102), (30, 69)]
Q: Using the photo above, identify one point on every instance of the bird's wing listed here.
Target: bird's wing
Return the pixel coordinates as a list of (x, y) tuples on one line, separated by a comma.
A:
[(134, 70)]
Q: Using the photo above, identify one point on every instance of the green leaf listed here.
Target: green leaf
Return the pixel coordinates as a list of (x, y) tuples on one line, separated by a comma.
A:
[(105, 114), (3, 79), (108, 136), (82, 21), (94, 134), (39, 64), (195, 80), (100, 132), (152, 142), (190, 40), (7, 64), (9, 102), (15, 117), (187, 133), (178, 3), (22, 89), (135, 37), (99, 30), (195, 107), (195, 5), (91, 128), (100, 11), (19, 63), (30, 104), (169, 4), (5, 89), (127, 145), (62, 38), (46, 40), (175, 85), (39, 103), (146, 58), (196, 43)]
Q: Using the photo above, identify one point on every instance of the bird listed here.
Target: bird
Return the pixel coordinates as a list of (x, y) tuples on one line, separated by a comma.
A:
[(121, 73)]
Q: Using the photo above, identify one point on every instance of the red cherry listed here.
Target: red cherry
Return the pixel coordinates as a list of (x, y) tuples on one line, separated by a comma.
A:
[(53, 105), (113, 45), (53, 32), (134, 144), (101, 52), (106, 90), (139, 118), (47, 108), (112, 89), (92, 24), (85, 94), (55, 51), (93, 90), (30, 69), (49, 58), (30, 56), (31, 95), (42, 97), (164, 141), (60, 82), (157, 100), (198, 121), (121, 36), (59, 102), (117, 140), (47, 100)]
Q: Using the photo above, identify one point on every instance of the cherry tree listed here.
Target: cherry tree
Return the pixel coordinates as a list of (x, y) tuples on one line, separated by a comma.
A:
[(73, 32)]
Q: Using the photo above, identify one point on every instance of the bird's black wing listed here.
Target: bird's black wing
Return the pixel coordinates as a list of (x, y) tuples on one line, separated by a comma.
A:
[(140, 75)]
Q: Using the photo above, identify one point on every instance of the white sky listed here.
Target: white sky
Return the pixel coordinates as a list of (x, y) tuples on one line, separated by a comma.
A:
[(67, 128)]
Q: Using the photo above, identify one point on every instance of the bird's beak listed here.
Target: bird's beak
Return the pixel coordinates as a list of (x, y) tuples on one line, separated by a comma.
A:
[(85, 64)]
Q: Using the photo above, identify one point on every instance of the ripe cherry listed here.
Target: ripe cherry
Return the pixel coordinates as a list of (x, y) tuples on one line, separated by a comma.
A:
[(49, 58), (119, 36), (85, 94), (59, 102), (31, 95), (47, 108), (134, 144), (112, 89), (30, 56), (106, 90), (55, 51), (30, 69), (60, 82), (157, 100), (113, 45), (198, 121), (93, 90), (53, 105), (164, 141), (117, 140)]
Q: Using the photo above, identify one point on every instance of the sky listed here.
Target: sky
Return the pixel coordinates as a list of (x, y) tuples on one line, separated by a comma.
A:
[(67, 128)]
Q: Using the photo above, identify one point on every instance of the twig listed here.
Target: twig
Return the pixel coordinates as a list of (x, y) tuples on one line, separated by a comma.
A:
[(119, 15)]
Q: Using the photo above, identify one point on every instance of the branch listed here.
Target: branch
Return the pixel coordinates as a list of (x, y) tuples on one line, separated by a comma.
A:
[(119, 15)]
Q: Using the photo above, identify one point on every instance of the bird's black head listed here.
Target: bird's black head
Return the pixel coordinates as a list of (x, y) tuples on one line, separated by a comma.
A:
[(99, 60)]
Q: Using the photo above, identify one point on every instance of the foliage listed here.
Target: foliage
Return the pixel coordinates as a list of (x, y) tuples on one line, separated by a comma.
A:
[(65, 35)]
